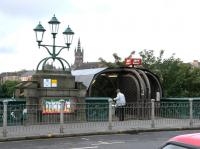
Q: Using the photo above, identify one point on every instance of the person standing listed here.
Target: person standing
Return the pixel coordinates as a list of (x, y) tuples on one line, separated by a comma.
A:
[(120, 105)]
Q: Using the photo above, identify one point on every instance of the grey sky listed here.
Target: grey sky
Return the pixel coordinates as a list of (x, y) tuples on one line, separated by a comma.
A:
[(104, 27), (5, 50), (31, 8)]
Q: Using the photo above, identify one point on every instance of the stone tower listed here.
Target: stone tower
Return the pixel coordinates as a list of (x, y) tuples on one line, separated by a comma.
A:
[(78, 55)]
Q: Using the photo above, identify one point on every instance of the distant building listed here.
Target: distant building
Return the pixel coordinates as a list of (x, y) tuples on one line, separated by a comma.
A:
[(13, 76), (16, 76), (79, 60), (27, 76), (195, 63)]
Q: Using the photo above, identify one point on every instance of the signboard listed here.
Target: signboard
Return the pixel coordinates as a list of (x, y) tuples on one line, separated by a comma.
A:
[(47, 82), (133, 61), (128, 61), (53, 106), (50, 83), (137, 61), (54, 83)]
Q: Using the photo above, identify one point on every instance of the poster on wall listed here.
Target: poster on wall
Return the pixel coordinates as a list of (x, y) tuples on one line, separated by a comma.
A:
[(53, 106), (47, 82), (50, 83), (53, 83)]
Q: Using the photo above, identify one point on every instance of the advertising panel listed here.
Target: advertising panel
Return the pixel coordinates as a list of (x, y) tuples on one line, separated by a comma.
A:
[(53, 106)]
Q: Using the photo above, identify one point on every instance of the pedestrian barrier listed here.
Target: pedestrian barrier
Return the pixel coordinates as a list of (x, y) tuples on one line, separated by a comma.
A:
[(95, 116), (14, 112), (96, 109)]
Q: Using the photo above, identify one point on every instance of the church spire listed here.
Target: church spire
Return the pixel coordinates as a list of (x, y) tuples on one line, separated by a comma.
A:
[(78, 54), (79, 45)]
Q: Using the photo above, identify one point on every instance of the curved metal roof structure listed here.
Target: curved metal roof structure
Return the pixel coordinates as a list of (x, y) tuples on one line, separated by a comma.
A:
[(86, 75), (137, 84)]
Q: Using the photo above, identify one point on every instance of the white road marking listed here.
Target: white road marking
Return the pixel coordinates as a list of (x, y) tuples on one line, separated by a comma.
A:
[(85, 139), (107, 143), (97, 145), (86, 147)]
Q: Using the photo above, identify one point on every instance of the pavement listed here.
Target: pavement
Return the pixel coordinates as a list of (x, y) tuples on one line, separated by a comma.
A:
[(29, 132)]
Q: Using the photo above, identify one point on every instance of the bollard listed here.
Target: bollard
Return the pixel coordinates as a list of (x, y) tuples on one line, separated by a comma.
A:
[(191, 111), (62, 104), (152, 113), (110, 114), (5, 109)]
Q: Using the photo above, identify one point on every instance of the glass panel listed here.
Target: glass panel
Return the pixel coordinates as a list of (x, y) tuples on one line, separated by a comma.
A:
[(68, 39), (54, 28), (39, 35)]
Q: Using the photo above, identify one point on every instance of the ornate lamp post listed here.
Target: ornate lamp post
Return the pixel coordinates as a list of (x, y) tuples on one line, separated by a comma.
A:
[(68, 36)]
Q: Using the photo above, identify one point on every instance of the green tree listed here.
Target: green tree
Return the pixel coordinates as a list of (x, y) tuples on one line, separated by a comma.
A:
[(8, 88), (178, 79), (118, 62), (192, 82), (1, 92)]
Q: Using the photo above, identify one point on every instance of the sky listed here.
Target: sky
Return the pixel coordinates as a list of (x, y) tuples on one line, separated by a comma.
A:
[(103, 26)]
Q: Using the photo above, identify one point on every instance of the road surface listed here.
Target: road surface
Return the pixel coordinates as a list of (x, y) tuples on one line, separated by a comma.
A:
[(145, 140)]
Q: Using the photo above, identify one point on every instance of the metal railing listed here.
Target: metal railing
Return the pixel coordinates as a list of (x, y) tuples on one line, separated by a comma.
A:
[(31, 120)]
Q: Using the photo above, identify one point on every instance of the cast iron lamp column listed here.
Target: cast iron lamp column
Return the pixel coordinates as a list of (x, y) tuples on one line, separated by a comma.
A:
[(68, 36)]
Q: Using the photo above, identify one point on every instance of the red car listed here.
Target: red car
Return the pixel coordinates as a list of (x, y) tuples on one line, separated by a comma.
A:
[(187, 141)]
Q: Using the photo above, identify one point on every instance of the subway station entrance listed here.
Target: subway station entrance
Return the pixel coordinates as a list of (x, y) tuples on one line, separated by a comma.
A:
[(136, 84)]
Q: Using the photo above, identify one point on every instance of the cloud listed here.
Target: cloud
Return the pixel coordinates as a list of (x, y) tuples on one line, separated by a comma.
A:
[(6, 50), (105, 27), (32, 8)]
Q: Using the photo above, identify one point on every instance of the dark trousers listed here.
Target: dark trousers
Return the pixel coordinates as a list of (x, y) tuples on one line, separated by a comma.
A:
[(119, 112)]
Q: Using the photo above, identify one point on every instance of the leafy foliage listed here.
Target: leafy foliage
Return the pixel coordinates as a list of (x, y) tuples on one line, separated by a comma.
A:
[(7, 89), (1, 92), (178, 79), (118, 62)]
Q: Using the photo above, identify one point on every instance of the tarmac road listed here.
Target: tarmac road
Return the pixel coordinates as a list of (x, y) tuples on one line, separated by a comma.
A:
[(145, 140)]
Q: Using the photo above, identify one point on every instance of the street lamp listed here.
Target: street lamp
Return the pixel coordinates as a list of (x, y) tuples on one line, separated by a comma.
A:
[(68, 36), (39, 32), (54, 25)]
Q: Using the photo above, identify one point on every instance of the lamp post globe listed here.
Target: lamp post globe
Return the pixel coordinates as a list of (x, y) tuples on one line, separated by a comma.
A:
[(68, 36), (54, 25), (39, 32)]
